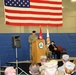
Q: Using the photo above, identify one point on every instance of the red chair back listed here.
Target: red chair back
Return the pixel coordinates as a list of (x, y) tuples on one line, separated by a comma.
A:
[(60, 48)]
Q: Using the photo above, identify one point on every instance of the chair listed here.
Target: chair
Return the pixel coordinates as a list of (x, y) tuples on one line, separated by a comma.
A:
[(62, 50)]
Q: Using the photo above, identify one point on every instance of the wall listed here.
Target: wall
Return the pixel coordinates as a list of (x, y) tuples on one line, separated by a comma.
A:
[(69, 23), (8, 53)]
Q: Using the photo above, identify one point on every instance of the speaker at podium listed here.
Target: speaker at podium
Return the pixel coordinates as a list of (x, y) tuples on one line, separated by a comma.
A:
[(38, 50)]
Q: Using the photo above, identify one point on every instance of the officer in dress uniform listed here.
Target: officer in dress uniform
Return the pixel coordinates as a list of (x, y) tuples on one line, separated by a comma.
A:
[(31, 39)]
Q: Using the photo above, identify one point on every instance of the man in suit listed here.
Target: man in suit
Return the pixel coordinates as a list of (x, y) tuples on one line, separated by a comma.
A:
[(53, 48), (33, 37)]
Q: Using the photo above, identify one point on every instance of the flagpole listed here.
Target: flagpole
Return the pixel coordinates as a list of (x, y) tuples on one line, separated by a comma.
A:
[(40, 34)]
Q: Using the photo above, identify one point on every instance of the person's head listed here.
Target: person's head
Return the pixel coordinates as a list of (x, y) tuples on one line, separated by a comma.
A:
[(51, 67), (65, 58), (10, 71), (52, 42), (33, 32), (43, 60), (34, 68), (69, 67)]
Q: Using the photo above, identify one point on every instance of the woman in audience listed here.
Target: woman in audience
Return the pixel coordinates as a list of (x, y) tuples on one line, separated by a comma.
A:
[(34, 69)]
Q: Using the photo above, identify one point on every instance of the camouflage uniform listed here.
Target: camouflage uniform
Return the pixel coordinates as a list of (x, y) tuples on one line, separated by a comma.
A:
[(31, 39)]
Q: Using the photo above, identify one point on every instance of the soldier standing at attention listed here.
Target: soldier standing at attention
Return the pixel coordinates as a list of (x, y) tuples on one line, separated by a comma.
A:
[(31, 39)]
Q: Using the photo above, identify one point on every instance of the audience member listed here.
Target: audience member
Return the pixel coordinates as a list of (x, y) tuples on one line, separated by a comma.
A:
[(65, 58), (51, 68), (10, 71), (69, 68), (43, 60), (53, 48), (75, 63), (75, 67), (34, 69)]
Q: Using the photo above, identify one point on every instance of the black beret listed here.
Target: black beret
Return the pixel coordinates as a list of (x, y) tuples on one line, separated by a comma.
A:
[(34, 31)]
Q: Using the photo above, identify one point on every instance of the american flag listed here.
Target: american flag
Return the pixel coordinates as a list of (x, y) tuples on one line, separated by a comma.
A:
[(33, 12)]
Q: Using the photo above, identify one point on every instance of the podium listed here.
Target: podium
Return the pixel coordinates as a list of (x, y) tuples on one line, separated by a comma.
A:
[(38, 50)]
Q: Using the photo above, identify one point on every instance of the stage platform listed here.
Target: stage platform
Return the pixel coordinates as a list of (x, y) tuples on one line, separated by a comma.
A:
[(28, 61), (24, 65)]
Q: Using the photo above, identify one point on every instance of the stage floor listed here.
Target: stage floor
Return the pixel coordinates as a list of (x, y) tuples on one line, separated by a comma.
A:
[(28, 61), (71, 58)]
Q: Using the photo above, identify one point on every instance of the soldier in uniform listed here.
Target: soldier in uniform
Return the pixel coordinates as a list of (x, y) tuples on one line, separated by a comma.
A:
[(31, 39)]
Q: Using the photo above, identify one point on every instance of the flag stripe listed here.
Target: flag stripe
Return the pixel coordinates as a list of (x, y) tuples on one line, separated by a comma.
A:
[(45, 7), (33, 9), (31, 12), (34, 21), (31, 15), (48, 1), (33, 18), (45, 4), (31, 24), (41, 12)]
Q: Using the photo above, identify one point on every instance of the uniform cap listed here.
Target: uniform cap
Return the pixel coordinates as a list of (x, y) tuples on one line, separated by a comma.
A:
[(69, 65), (65, 57), (43, 58), (33, 31)]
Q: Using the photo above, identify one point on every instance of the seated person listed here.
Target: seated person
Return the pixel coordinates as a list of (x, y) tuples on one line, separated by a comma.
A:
[(75, 63), (10, 71), (43, 60), (34, 69), (75, 66), (53, 48), (69, 68), (65, 58), (51, 68)]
